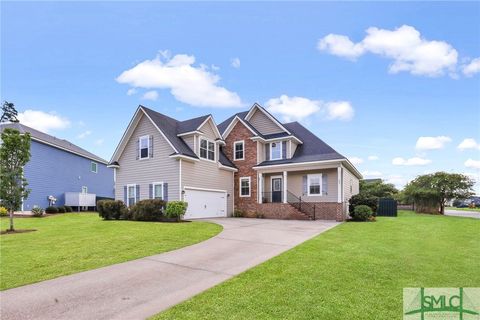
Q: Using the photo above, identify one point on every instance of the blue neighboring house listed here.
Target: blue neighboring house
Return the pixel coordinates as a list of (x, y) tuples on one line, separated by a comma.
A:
[(58, 167)]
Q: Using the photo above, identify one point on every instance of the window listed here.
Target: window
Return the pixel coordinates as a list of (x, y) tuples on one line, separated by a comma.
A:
[(245, 187), (132, 194), (84, 189), (158, 191), (314, 184), (276, 150), (239, 150), (207, 149), (93, 167), (144, 147)]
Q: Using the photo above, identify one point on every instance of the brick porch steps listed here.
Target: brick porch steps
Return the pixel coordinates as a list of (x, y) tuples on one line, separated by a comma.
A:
[(281, 211)]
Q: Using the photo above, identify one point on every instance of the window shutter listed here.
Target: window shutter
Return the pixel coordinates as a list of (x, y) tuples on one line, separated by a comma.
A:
[(324, 184), (284, 149), (137, 193), (138, 148), (125, 194), (165, 192), (150, 191), (151, 147), (267, 152), (305, 185)]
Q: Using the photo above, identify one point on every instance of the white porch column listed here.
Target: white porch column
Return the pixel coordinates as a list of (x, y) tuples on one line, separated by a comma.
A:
[(284, 186), (260, 187), (340, 185)]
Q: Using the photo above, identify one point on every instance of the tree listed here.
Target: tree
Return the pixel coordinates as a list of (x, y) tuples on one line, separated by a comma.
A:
[(14, 155), (378, 188), (434, 190), (9, 113)]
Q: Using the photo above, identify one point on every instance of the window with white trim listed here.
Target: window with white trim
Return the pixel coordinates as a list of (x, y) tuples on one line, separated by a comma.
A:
[(244, 187), (239, 150), (314, 184), (93, 167), (131, 194), (144, 147), (158, 191), (207, 149), (276, 150)]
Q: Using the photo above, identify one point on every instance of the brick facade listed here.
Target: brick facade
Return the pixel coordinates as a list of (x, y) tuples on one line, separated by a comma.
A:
[(250, 205)]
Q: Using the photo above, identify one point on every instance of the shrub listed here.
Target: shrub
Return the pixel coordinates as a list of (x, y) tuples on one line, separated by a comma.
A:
[(148, 210), (176, 209), (3, 212), (68, 209), (259, 215), (61, 209), (51, 210), (237, 213), (362, 213), (111, 209), (363, 199), (37, 212)]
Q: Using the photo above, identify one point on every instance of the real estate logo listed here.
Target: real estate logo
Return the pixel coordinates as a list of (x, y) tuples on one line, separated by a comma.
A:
[(441, 303)]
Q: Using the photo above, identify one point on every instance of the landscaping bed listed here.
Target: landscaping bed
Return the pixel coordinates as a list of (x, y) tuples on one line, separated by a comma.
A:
[(74, 242)]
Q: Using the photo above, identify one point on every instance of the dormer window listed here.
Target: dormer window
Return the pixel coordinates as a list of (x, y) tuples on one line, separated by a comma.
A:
[(207, 149), (276, 150)]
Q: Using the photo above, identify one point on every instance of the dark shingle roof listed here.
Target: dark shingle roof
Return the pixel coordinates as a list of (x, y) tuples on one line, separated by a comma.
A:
[(312, 149), (46, 138), (171, 128)]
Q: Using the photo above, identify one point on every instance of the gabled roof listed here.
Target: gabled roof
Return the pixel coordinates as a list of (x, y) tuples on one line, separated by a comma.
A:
[(170, 128), (52, 141), (257, 107)]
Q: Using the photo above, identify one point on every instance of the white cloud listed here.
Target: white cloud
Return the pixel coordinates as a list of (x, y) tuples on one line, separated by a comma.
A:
[(99, 142), (415, 161), (341, 110), (468, 143), (43, 121), (150, 95), (131, 91), (470, 163), (472, 68), (236, 63), (404, 45), (372, 174), (355, 160), (299, 108), (193, 85), (398, 180), (372, 158), (431, 143), (84, 134)]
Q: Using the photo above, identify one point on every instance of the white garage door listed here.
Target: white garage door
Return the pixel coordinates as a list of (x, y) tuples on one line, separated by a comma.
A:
[(205, 204)]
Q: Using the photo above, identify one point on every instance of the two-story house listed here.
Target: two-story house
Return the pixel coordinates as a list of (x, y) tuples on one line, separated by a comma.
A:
[(62, 171), (251, 162)]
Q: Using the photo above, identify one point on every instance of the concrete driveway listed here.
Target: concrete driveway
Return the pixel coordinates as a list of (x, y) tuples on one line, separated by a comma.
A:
[(141, 288), (462, 213)]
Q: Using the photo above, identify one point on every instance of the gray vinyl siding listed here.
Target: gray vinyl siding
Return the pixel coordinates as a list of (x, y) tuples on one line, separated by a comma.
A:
[(207, 175), (160, 168), (263, 124), (260, 152), (349, 179), (189, 140), (294, 148), (208, 131)]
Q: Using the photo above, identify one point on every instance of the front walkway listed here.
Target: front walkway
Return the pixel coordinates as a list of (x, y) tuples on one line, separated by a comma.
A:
[(140, 288)]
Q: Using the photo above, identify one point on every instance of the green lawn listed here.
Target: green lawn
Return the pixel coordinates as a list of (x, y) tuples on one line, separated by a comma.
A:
[(74, 242), (354, 271), (463, 209)]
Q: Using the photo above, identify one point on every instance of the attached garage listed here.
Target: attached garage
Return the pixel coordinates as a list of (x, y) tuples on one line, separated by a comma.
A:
[(205, 203)]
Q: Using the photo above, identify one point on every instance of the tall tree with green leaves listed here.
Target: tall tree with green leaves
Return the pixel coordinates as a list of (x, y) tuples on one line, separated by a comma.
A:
[(9, 113), (14, 155), (434, 190), (378, 188)]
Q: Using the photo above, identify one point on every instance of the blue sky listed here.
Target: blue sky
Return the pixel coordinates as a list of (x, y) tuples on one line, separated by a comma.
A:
[(394, 86)]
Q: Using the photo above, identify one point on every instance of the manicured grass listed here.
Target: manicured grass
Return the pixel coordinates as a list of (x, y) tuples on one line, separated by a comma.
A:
[(354, 271), (463, 209), (74, 242)]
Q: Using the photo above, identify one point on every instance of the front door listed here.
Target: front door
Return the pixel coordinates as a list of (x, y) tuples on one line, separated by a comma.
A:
[(276, 189)]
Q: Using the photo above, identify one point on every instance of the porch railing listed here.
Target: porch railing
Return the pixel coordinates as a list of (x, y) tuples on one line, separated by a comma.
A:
[(302, 206)]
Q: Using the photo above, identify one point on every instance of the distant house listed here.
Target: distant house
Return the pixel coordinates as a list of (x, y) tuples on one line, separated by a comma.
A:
[(60, 169)]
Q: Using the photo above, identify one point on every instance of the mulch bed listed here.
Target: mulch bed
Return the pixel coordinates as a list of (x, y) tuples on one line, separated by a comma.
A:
[(17, 231)]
